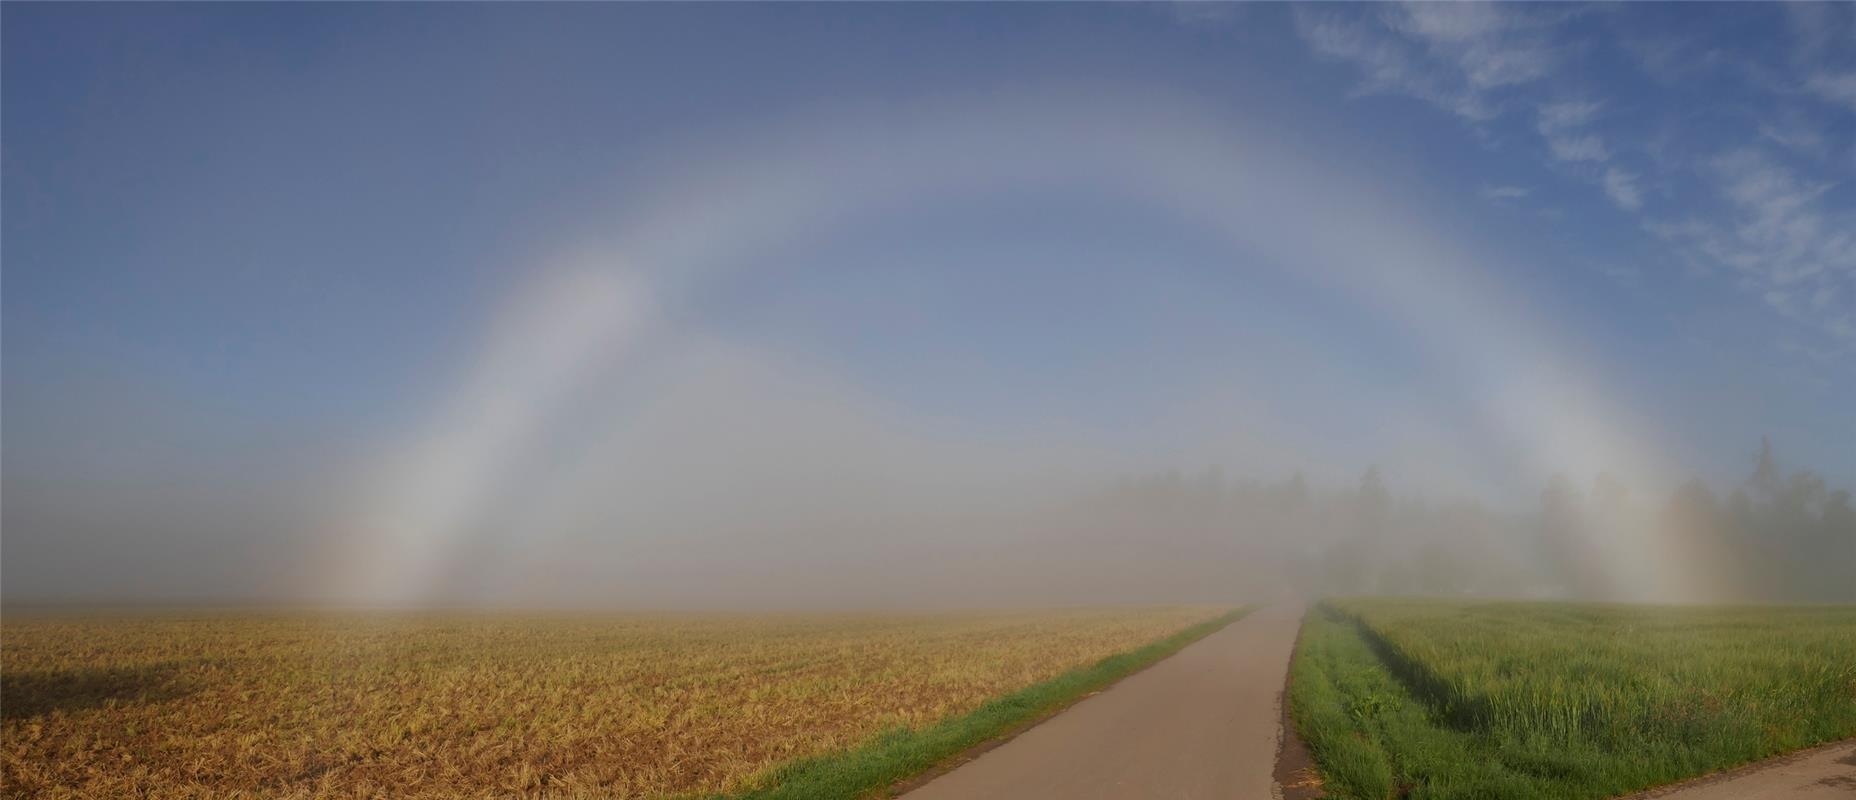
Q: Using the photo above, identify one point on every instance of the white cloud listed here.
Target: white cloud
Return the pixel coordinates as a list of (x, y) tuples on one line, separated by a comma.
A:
[(1505, 192), (1564, 114), (1624, 274), (1449, 23), (1486, 42), (1490, 66), (1838, 88), (1621, 186), (1586, 147), (1817, 27), (1562, 122), (1452, 55), (1795, 255), (1794, 133), (1204, 12), (1770, 229), (1387, 65), (1776, 213), (1669, 59)]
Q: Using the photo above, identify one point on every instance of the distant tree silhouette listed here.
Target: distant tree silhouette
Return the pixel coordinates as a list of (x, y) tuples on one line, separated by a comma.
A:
[(1765, 479), (1777, 536)]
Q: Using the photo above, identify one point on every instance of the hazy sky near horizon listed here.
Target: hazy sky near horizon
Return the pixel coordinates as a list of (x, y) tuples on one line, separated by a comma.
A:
[(277, 276)]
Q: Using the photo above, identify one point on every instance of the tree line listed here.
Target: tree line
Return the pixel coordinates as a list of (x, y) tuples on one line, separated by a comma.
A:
[(1777, 536)]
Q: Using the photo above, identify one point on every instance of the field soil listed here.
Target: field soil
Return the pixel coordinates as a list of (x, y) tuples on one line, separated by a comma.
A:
[(189, 704), (1202, 724), (1821, 773)]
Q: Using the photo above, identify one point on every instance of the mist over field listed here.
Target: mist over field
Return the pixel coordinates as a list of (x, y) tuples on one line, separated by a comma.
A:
[(567, 316), (946, 401)]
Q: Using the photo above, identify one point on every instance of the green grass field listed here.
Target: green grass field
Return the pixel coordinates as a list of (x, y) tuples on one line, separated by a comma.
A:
[(1441, 699)]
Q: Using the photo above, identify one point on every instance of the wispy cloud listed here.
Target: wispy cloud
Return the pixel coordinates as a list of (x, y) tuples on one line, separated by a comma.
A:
[(1500, 193), (1449, 23), (1622, 188), (1624, 274), (1771, 230), (1795, 133), (1667, 58), (1387, 65), (1582, 147), (1798, 257), (1817, 27), (1204, 12), (1564, 114), (1484, 41), (1452, 55), (1823, 34), (1834, 87), (1777, 216), (1562, 124)]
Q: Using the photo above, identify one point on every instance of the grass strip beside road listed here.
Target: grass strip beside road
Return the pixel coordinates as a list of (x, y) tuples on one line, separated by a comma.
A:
[(903, 753)]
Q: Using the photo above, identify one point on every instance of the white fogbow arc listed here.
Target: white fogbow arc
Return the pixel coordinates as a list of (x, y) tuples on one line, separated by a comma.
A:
[(579, 317)]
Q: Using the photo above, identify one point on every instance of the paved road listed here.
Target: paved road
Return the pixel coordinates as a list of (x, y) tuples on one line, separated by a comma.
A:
[(1825, 773), (1200, 725)]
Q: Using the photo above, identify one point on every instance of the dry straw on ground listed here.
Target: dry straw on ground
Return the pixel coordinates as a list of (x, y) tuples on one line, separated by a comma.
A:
[(446, 706)]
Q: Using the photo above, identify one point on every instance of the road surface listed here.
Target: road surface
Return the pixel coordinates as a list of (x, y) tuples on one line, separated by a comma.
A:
[(1823, 773), (1201, 725)]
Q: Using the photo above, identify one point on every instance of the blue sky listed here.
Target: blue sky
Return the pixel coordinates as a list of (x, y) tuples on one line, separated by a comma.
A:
[(243, 245)]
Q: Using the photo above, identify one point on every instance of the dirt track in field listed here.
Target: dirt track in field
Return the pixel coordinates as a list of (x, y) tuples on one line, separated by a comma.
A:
[(1202, 724)]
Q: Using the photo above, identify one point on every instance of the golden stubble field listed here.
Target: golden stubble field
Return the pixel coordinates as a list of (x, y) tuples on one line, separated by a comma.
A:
[(233, 704)]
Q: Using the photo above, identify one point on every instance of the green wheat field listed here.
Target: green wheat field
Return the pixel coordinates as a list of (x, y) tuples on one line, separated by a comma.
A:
[(1448, 699)]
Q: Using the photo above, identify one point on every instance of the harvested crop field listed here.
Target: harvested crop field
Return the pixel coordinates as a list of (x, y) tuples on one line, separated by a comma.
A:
[(1441, 699), (453, 705)]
